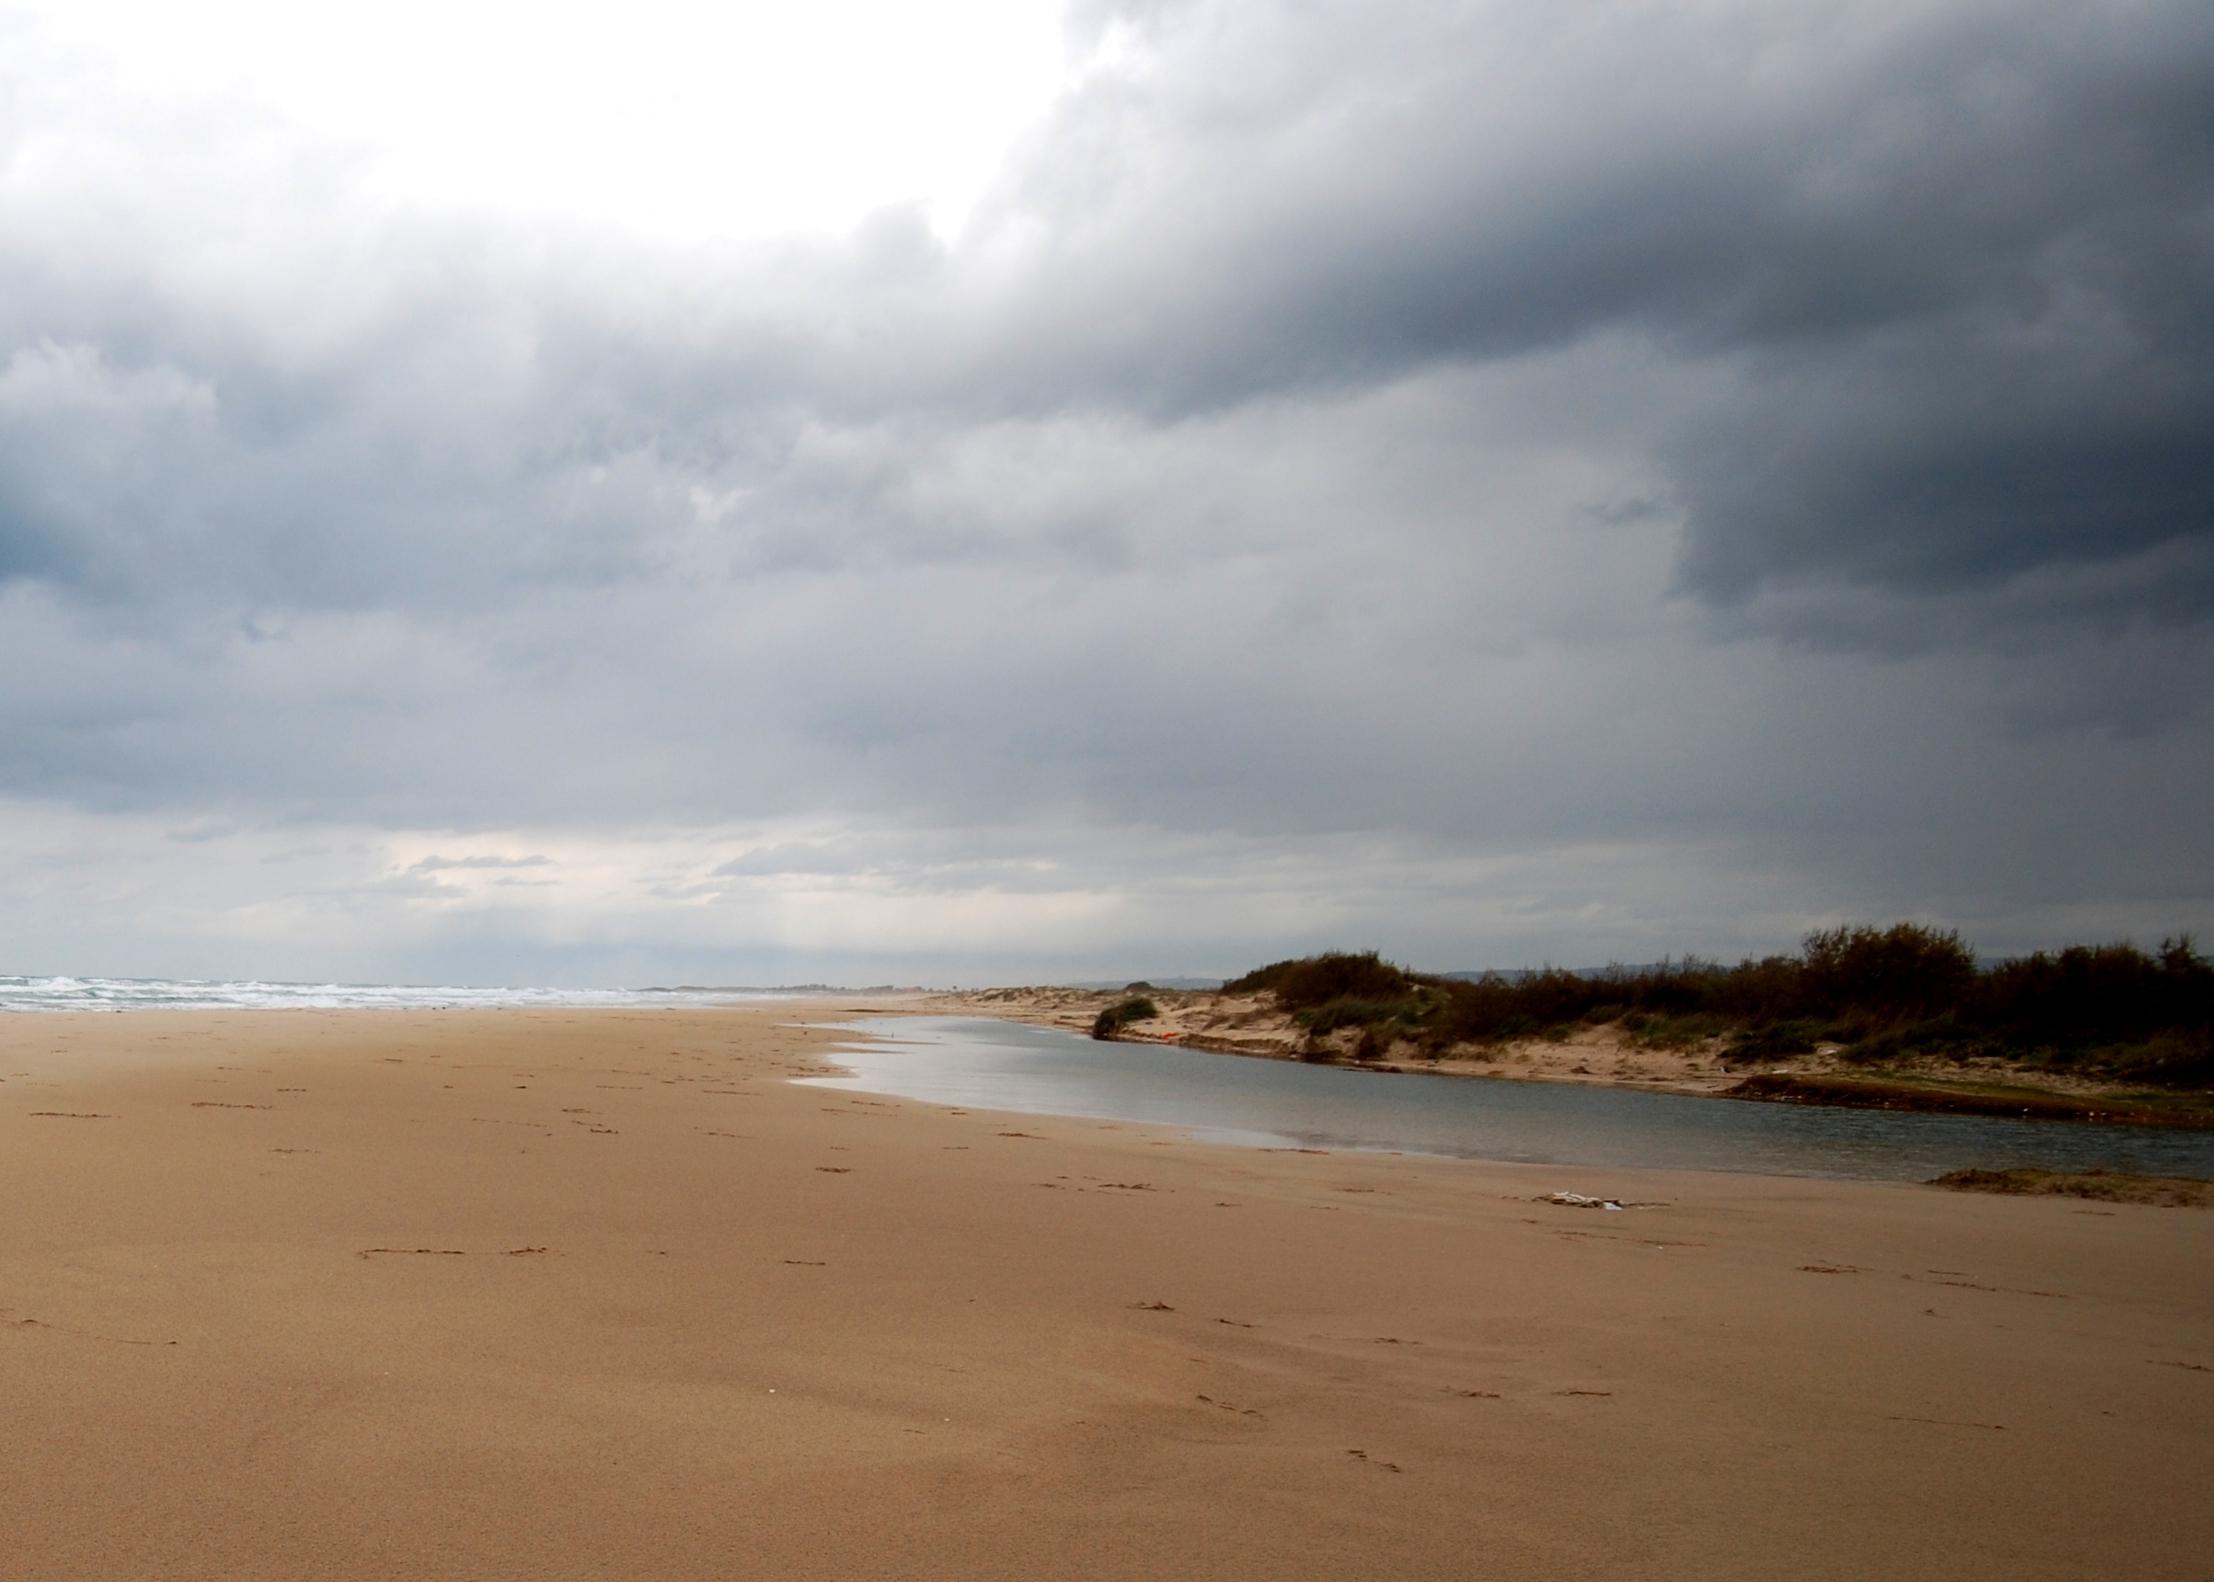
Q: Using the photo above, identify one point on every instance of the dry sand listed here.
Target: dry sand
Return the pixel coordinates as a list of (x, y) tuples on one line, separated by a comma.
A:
[(601, 1294)]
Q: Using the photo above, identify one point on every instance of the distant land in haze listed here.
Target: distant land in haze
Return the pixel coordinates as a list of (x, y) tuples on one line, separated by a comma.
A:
[(1197, 985), (785, 988), (1465, 975)]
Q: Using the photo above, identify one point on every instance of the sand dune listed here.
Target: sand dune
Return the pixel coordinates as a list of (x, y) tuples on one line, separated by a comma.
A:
[(593, 1294)]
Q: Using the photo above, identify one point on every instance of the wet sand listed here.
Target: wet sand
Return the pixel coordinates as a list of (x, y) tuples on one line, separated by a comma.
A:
[(591, 1294)]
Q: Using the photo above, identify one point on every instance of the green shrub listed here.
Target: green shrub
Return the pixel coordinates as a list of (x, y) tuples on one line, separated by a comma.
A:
[(1110, 1022), (2172, 1059), (1348, 1011), (1261, 980), (1339, 974), (1906, 970), (1375, 1042), (1937, 1037), (1679, 1032), (2100, 994), (1782, 1041)]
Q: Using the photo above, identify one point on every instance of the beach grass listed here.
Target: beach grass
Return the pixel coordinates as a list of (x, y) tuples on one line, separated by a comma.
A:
[(2102, 1186)]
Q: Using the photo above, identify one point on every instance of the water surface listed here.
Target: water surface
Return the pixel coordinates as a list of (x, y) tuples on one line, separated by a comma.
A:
[(64, 993), (979, 1063)]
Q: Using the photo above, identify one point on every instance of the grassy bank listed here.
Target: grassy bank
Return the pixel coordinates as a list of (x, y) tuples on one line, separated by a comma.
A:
[(2100, 1186), (1937, 1095), (1903, 1016)]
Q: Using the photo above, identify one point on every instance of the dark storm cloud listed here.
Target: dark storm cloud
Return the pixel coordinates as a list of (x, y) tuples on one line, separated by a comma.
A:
[(1971, 457), (1301, 441), (1951, 256), (1958, 255)]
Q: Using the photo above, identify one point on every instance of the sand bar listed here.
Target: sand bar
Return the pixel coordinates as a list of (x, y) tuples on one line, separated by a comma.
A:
[(591, 1294)]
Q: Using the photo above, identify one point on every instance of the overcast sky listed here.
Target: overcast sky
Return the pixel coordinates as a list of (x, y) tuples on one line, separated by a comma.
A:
[(603, 494)]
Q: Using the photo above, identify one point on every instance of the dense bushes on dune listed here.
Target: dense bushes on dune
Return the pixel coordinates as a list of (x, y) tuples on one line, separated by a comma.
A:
[(1310, 981), (1881, 993)]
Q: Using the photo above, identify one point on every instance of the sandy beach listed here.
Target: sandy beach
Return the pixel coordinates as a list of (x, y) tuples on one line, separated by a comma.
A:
[(603, 1294)]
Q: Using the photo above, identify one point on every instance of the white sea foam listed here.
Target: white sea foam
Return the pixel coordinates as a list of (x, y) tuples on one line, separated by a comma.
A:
[(169, 994)]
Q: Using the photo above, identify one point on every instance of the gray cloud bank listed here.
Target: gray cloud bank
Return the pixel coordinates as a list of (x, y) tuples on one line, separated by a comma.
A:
[(1492, 481)]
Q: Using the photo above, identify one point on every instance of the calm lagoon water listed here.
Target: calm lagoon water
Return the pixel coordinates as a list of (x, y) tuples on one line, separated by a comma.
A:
[(992, 1065)]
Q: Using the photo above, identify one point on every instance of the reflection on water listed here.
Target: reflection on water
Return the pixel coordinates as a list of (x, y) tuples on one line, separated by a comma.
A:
[(992, 1065)]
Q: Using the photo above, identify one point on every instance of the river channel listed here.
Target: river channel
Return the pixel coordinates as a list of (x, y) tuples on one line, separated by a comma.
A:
[(984, 1064)]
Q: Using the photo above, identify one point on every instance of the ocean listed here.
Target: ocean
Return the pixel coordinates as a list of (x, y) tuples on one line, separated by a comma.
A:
[(250, 994)]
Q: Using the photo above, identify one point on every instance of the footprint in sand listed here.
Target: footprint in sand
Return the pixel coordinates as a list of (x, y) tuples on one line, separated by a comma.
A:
[(410, 1252), (1227, 1406), (80, 1334), (1388, 1466)]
